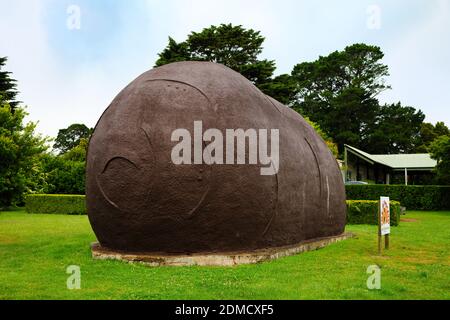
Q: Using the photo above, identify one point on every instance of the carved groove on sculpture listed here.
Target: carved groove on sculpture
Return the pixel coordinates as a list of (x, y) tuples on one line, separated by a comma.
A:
[(138, 200), (316, 158), (103, 171), (189, 85), (273, 104)]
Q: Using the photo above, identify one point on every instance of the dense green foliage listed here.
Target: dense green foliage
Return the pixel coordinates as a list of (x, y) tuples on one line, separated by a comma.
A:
[(281, 88), (440, 151), (60, 174), (20, 149), (71, 137), (65, 174), (55, 204), (8, 86), (429, 133), (339, 92), (25, 166), (366, 212), (412, 197), (35, 251), (330, 143), (235, 47), (396, 130), (230, 45)]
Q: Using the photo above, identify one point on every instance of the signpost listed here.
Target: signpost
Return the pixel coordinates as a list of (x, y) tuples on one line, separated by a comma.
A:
[(384, 222)]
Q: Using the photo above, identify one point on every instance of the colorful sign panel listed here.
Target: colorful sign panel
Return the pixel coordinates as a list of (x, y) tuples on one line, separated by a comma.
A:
[(385, 216)]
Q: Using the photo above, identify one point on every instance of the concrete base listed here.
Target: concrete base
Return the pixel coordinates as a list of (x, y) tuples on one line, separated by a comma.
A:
[(214, 259)]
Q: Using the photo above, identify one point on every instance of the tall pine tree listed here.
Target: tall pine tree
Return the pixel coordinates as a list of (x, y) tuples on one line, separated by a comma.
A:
[(8, 86)]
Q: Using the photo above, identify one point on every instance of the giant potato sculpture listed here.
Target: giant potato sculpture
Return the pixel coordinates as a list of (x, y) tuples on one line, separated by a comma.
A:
[(139, 200)]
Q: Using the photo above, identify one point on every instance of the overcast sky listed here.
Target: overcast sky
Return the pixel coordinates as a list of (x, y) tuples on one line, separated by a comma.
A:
[(69, 75)]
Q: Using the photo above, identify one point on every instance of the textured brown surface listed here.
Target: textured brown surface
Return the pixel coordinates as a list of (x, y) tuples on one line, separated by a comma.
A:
[(138, 200)]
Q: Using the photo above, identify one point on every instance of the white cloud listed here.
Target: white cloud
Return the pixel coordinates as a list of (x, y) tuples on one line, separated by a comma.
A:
[(24, 42), (419, 65), (56, 93)]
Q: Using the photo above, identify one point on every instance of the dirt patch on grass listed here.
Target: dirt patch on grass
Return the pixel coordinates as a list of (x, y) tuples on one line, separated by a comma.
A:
[(419, 260), (408, 220), (8, 240)]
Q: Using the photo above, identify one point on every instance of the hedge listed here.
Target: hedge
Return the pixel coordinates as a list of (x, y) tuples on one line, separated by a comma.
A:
[(412, 197), (358, 211), (366, 212), (55, 203)]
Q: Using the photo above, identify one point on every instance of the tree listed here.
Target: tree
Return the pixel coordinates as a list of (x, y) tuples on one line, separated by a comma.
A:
[(441, 129), (79, 152), (70, 137), (427, 136), (8, 86), (235, 47), (357, 66), (174, 52), (281, 88), (63, 173), (64, 176), (397, 130), (440, 151), (329, 142), (348, 119), (339, 92), (20, 147), (429, 133)]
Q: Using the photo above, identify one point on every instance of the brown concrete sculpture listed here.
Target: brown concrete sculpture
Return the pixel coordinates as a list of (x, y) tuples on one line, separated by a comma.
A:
[(140, 200)]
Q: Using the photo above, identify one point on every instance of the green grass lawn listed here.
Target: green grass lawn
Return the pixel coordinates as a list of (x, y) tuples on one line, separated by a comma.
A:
[(35, 251)]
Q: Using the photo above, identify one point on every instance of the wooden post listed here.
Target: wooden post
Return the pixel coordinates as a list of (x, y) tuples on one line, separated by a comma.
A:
[(345, 164), (386, 242), (379, 227)]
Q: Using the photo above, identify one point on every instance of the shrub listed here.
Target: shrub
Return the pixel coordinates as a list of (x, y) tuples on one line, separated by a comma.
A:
[(20, 147), (55, 203), (412, 197), (64, 176), (366, 212)]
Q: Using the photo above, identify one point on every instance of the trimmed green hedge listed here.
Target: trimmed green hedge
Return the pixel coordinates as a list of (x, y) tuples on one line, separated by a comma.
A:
[(412, 197), (55, 203), (366, 212)]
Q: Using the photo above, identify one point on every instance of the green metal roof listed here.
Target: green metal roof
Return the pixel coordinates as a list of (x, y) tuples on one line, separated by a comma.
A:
[(398, 161)]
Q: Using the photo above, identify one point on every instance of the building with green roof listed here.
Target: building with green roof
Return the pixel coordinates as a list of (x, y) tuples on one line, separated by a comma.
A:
[(388, 168)]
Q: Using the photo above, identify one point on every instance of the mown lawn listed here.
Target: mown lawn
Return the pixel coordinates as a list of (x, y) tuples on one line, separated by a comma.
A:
[(35, 251)]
